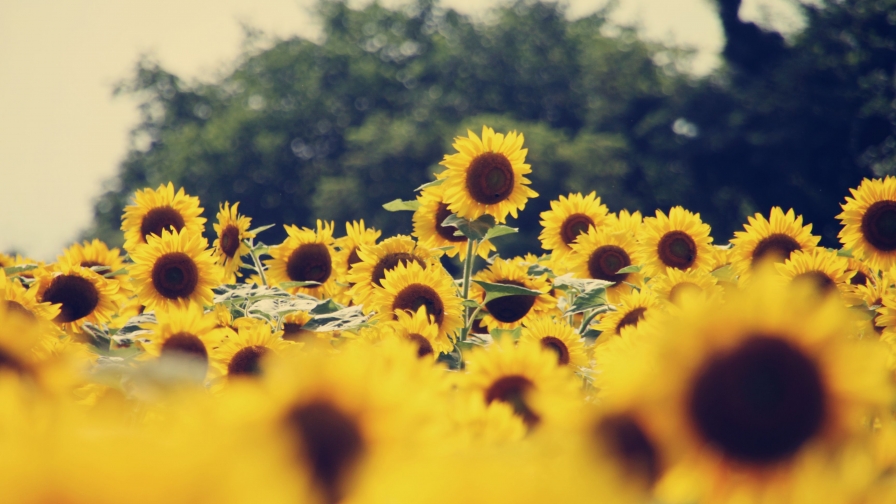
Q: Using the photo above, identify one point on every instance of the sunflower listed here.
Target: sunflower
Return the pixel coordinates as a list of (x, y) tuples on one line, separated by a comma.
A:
[(509, 312), (674, 284), (184, 338), (376, 260), (431, 233), (94, 253), (823, 269), (755, 395), (773, 239), (16, 297), (485, 176), (679, 241), (21, 336), (525, 377), (630, 222), (305, 256), (357, 234), (155, 211), (869, 222), (83, 295), (408, 287), (601, 253), (6, 260), (232, 229), (568, 218), (175, 268), (421, 329), (556, 335), (292, 326), (241, 353), (631, 309)]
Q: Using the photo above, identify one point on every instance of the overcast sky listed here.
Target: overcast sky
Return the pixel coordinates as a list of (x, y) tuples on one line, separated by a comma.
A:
[(62, 134)]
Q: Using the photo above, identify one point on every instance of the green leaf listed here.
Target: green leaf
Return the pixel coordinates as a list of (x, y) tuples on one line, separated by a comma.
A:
[(15, 270), (325, 307), (469, 303), (337, 320), (595, 298), (513, 334), (634, 268), (540, 269), (473, 230), (844, 253), (261, 228), (261, 249), (99, 269), (499, 230), (399, 205), (436, 182), (497, 290), (290, 285), (579, 284), (122, 271)]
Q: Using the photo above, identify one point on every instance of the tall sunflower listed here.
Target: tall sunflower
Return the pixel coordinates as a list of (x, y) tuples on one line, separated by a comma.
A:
[(175, 268), (94, 253), (869, 222), (679, 241), (555, 335), (155, 211), (82, 294), (184, 337), (241, 354), (823, 269), (305, 256), (568, 218), (15, 297), (675, 284), (421, 329), (601, 253), (409, 287), (630, 222), (357, 234), (376, 260), (429, 230), (292, 326), (509, 312), (631, 309), (232, 228), (772, 239), (485, 176)]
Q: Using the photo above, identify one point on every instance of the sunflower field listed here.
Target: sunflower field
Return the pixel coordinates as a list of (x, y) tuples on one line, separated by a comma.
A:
[(637, 360)]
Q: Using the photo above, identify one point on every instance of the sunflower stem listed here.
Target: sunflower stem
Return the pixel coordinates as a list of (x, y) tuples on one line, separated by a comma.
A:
[(257, 262), (468, 273), (587, 321)]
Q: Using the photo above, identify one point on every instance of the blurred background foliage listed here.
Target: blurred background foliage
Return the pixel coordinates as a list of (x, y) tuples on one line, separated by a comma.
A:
[(332, 130)]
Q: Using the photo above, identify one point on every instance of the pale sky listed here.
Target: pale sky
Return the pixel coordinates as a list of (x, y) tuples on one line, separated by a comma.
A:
[(62, 134)]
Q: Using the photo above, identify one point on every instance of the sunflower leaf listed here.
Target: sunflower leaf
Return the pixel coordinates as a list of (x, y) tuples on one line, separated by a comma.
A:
[(469, 303), (579, 284), (15, 270), (434, 183), (473, 230), (337, 320), (634, 268), (540, 269), (844, 253), (122, 271), (498, 290), (325, 307), (261, 228), (399, 205), (595, 298), (499, 230), (99, 269), (290, 285), (514, 334)]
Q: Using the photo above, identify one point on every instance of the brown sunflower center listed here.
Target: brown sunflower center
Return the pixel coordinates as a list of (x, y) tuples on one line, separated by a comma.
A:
[(628, 443), (390, 261), (424, 347), (76, 294), (760, 402), (818, 280), (858, 279), (414, 296), (510, 309), (353, 257), (606, 261), (512, 390), (185, 346), (777, 246), (446, 232), (309, 262), (160, 218), (490, 178), (247, 361), (230, 240), (677, 250), (631, 318), (328, 440), (11, 363), (293, 331), (879, 225), (16, 307), (573, 226), (683, 289), (557, 346), (175, 275)]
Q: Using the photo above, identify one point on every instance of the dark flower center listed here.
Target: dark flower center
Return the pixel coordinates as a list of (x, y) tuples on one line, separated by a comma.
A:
[(161, 218), (858, 279), (294, 332), (677, 250), (760, 402), (631, 318), (309, 262), (573, 226), (247, 361), (174, 275), (230, 240), (353, 257), (329, 441), (818, 280), (11, 363), (879, 225), (510, 309), (628, 443), (606, 261), (187, 346), (424, 347), (446, 232), (512, 390), (557, 346), (412, 297), (490, 178), (390, 261), (776, 246), (76, 294)]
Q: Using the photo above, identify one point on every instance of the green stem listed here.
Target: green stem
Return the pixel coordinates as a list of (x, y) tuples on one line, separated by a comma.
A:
[(257, 262), (468, 273), (469, 325), (587, 320)]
